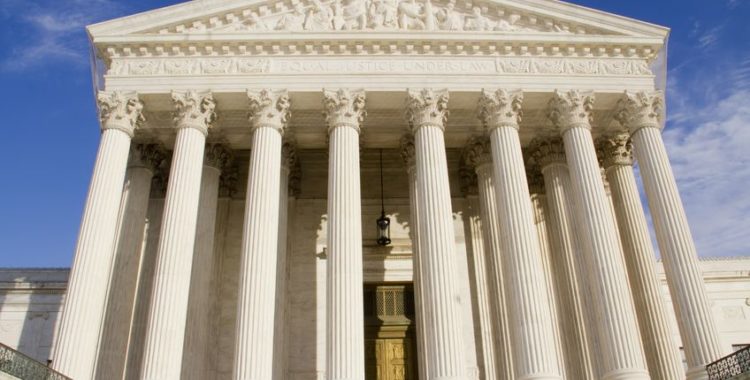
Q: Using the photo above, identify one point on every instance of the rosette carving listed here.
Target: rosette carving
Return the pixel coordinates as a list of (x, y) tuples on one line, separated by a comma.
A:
[(344, 107), (639, 110), (427, 107), (120, 110), (615, 150), (270, 108), (547, 151), (571, 109), (500, 108), (194, 109)]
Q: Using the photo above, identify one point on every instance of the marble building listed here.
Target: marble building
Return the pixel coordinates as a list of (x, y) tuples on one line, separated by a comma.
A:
[(251, 136)]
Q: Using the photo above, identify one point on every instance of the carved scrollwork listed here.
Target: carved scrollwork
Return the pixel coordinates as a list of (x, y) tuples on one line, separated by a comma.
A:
[(639, 110), (344, 107), (218, 155), (228, 181), (615, 150), (478, 152), (571, 109), (194, 110), (407, 150), (427, 107), (150, 156), (120, 110), (547, 151), (269, 108), (500, 108), (469, 183)]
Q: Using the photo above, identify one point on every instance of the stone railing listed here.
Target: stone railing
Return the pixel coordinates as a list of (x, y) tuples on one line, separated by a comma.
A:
[(15, 365), (734, 366)]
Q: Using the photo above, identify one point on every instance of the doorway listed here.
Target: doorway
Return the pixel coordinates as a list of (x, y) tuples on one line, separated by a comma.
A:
[(390, 334)]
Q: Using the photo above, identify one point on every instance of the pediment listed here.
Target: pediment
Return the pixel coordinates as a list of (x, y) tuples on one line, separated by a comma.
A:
[(206, 18)]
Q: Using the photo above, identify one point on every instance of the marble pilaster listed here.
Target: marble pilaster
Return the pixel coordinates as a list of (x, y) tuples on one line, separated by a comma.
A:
[(622, 354), (641, 114), (531, 327), (426, 113), (256, 306), (345, 112), (165, 336), (75, 351)]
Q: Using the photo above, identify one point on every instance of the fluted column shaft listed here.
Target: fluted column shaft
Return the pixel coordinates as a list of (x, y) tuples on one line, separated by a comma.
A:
[(530, 322), (485, 336), (195, 364), (345, 304), (168, 315), (660, 348), (78, 335), (566, 257), (407, 153), (426, 112), (127, 262), (641, 113), (493, 246), (622, 354), (256, 306)]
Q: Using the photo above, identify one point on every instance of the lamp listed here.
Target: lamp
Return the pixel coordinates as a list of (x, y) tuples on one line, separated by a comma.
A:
[(383, 223)]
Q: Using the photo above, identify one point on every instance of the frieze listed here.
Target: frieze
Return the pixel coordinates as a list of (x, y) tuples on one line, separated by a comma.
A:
[(478, 66)]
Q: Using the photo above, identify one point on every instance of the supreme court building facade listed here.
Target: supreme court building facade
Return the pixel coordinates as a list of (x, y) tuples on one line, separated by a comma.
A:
[(251, 136)]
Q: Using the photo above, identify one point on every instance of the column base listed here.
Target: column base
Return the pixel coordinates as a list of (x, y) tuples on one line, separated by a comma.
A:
[(627, 374), (697, 373)]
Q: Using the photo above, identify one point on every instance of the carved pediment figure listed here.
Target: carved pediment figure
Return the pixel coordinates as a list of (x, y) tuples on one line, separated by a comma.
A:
[(449, 19), (478, 22), (383, 14), (410, 15), (354, 14), (320, 17), (293, 22)]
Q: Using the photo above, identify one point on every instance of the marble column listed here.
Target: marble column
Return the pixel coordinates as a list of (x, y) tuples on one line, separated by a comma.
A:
[(622, 354), (426, 113), (664, 362), (145, 159), (409, 156), (345, 112), (484, 332), (195, 362), (289, 168), (141, 311), (162, 359), (641, 114), (76, 347), (256, 306), (541, 212), (531, 328), (478, 154), (549, 154)]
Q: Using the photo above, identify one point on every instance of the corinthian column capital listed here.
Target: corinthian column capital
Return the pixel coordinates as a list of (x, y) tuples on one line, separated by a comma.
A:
[(469, 183), (218, 156), (641, 109), (269, 108), (547, 151), (615, 150), (408, 154), (427, 107), (120, 110), (149, 156), (194, 109), (571, 109), (344, 107), (478, 152), (289, 158), (501, 108)]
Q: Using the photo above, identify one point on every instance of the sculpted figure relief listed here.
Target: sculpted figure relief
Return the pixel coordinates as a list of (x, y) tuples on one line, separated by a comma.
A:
[(324, 15)]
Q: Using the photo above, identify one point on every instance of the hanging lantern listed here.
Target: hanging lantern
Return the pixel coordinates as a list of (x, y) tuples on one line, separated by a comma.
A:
[(383, 223)]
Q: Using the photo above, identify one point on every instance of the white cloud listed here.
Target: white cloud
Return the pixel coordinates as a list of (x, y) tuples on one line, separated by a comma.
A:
[(708, 147), (54, 31)]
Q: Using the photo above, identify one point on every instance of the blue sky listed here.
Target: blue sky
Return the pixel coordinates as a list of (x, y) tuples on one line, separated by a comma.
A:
[(50, 131)]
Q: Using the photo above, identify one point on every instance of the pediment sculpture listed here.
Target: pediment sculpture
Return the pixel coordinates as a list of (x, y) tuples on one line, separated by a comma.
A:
[(379, 15)]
